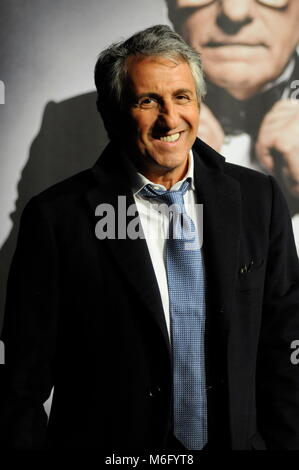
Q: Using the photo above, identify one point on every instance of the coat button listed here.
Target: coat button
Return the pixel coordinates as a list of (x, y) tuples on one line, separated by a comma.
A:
[(220, 312), (154, 391)]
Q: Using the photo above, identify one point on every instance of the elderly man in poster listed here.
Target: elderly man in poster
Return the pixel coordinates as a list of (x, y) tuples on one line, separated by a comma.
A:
[(251, 110)]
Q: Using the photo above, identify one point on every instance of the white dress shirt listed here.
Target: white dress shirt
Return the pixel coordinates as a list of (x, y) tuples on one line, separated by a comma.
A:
[(155, 224)]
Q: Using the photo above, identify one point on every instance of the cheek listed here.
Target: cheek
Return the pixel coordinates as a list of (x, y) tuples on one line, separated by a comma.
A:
[(286, 43), (197, 27), (194, 119), (282, 30), (142, 123), (281, 52), (137, 128)]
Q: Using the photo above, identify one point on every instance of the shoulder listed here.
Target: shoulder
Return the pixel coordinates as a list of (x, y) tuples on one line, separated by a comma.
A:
[(63, 198), (247, 176), (258, 190), (250, 181), (260, 194)]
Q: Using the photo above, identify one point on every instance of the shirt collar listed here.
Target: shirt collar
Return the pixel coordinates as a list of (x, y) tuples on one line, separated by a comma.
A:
[(138, 180)]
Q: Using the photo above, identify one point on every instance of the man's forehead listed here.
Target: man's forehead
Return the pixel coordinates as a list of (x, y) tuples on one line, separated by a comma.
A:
[(150, 62), (148, 70)]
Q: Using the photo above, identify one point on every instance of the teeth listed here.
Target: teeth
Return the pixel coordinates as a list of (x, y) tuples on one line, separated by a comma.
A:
[(170, 138)]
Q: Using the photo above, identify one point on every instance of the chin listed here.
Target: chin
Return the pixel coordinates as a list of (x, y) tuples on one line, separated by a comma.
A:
[(238, 76), (169, 162)]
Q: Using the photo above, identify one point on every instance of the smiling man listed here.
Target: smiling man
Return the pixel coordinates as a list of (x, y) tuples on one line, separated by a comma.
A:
[(248, 49), (150, 342)]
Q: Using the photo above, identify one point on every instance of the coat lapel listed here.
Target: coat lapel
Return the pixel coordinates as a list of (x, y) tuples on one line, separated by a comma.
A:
[(220, 196), (132, 256)]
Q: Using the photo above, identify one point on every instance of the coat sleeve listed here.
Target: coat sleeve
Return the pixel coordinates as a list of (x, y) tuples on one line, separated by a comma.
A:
[(277, 377), (30, 332)]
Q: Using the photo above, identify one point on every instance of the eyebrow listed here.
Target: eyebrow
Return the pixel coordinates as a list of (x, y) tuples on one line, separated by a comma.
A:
[(150, 94), (157, 96)]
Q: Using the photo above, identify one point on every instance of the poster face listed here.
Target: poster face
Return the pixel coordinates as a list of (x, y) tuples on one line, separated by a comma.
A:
[(250, 113)]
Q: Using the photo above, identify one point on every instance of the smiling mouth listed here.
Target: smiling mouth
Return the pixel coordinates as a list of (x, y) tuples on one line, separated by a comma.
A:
[(169, 138)]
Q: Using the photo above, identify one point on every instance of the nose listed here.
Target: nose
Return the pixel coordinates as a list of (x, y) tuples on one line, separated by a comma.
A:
[(234, 15), (236, 10), (168, 117)]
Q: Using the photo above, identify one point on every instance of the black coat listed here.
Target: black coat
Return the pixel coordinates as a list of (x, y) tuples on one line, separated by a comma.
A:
[(85, 315)]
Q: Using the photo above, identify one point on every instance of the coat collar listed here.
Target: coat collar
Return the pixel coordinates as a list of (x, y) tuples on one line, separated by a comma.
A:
[(220, 196)]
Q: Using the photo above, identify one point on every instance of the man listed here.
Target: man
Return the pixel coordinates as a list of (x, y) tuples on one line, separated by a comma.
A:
[(249, 55), (154, 342)]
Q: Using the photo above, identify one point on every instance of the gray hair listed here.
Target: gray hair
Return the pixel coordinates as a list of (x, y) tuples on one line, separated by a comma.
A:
[(111, 70)]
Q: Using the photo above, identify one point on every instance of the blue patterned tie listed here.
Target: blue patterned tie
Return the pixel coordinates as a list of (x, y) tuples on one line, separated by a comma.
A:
[(186, 288)]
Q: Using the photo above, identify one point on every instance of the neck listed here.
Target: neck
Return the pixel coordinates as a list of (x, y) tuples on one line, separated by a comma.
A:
[(167, 177)]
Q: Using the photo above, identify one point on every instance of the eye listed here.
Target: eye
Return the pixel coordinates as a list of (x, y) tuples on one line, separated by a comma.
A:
[(182, 98), (147, 102)]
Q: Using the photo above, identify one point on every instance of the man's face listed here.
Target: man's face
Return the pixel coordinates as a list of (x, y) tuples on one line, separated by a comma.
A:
[(244, 43), (164, 115)]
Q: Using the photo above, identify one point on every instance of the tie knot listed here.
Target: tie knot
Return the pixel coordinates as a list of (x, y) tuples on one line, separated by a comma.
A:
[(168, 197)]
